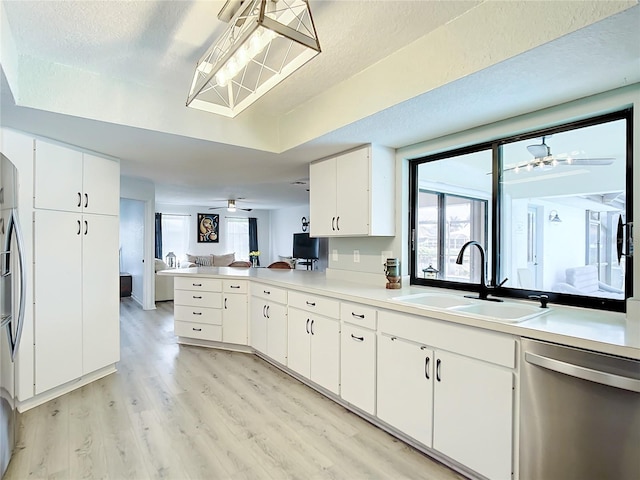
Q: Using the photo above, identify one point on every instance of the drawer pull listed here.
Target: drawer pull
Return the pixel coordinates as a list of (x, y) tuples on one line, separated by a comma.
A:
[(196, 284), (197, 313), (234, 286), (196, 329), (311, 304), (266, 292), (359, 339), (356, 315), (393, 339), (197, 297)]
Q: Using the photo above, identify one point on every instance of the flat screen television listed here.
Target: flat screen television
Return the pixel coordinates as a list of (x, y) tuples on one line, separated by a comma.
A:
[(305, 246)]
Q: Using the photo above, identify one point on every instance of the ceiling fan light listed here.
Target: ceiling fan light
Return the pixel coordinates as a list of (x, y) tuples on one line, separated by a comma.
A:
[(231, 206)]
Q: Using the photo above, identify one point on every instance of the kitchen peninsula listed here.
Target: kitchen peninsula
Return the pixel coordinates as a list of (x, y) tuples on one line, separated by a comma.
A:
[(457, 397)]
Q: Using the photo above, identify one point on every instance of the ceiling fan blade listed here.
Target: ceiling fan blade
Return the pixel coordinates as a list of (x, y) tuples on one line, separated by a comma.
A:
[(586, 161)]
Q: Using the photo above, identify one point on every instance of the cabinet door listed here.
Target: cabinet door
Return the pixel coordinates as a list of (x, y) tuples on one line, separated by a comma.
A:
[(100, 292), (358, 367), (299, 342), (405, 387), (101, 185), (473, 414), (277, 332), (234, 319), (58, 178), (258, 320), (322, 197), (57, 298), (352, 193), (325, 352)]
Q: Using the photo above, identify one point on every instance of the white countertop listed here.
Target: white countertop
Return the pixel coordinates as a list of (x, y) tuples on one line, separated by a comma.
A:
[(597, 330)]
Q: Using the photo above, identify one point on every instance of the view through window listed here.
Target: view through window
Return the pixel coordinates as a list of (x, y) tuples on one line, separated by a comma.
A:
[(544, 206)]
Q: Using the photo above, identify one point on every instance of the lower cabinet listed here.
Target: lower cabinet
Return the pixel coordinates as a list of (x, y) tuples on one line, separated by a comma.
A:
[(234, 312), (473, 414), (314, 348), (269, 321), (358, 367), (405, 387)]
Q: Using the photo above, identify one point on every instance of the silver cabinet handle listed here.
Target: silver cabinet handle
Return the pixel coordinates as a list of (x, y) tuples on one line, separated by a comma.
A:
[(604, 378), (438, 363), (355, 315), (86, 200), (426, 367), (359, 339)]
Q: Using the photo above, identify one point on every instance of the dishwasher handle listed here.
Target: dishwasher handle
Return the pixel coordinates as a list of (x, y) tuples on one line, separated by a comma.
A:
[(584, 373)]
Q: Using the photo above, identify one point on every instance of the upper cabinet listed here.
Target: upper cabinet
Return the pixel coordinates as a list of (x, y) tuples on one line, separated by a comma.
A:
[(73, 181), (353, 194)]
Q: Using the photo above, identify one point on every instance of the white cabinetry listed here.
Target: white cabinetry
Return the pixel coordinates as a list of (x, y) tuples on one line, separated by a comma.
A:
[(76, 296), (450, 388), (269, 321), (352, 194), (198, 308), (314, 339), (234, 311), (358, 356)]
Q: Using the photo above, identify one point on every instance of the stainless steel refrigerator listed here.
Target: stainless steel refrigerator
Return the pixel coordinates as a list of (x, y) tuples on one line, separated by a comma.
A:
[(12, 295)]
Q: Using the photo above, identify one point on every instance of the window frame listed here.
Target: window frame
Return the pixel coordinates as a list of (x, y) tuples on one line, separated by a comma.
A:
[(495, 214)]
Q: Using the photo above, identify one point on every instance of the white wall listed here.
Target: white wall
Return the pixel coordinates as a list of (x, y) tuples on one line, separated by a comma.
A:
[(132, 244), (220, 248)]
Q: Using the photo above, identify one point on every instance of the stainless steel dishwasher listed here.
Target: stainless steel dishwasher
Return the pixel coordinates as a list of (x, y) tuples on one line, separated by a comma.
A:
[(580, 414)]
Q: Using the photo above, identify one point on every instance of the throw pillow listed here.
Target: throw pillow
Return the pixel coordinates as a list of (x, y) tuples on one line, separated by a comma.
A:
[(224, 260), (200, 260)]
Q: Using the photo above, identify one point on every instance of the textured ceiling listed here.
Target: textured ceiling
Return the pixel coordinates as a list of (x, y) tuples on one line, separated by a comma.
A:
[(194, 158)]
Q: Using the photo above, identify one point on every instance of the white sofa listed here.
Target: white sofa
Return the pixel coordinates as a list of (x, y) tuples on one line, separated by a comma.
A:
[(584, 281), (164, 284)]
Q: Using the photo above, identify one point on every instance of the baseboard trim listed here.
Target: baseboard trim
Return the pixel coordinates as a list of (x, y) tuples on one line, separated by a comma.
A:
[(56, 392)]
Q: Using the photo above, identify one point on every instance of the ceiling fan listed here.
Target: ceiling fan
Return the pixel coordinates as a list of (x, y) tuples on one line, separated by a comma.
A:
[(543, 158), (231, 206)]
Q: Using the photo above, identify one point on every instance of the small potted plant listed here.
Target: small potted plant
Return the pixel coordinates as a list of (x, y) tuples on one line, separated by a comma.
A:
[(254, 257)]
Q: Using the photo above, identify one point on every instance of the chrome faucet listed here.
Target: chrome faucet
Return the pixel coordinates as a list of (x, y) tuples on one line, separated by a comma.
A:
[(484, 288)]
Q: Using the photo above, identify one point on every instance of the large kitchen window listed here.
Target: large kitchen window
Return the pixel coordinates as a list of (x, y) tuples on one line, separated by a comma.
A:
[(545, 206)]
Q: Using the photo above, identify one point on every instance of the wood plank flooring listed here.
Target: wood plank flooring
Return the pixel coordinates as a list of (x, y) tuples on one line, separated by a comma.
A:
[(181, 412)]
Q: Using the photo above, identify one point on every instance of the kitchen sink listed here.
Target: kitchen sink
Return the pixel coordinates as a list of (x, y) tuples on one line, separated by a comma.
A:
[(435, 300), (497, 312), (501, 312)]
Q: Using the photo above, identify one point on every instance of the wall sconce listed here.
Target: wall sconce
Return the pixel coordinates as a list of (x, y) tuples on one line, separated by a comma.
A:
[(266, 41), (553, 216)]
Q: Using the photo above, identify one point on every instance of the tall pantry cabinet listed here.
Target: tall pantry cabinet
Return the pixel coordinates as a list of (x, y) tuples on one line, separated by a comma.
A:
[(76, 265)]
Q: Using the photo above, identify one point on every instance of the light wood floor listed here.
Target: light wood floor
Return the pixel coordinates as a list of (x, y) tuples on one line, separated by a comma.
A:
[(180, 412)]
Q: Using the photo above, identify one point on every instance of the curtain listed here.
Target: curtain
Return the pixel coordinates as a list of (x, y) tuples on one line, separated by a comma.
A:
[(253, 236), (158, 247)]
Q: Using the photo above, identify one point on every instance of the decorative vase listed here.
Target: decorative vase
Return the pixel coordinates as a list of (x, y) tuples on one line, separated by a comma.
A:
[(254, 262)]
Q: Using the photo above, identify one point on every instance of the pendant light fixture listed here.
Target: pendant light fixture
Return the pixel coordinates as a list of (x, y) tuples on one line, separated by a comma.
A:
[(266, 41)]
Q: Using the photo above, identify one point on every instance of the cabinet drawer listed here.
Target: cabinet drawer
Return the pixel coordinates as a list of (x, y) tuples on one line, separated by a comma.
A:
[(268, 292), (198, 299), (202, 331), (212, 316), (234, 286), (313, 303), (198, 284), (494, 347), (358, 314)]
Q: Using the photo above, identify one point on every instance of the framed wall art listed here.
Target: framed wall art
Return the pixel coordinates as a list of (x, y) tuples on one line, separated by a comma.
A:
[(208, 228)]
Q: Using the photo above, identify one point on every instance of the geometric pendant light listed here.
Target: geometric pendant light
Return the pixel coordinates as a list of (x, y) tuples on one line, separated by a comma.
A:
[(266, 41)]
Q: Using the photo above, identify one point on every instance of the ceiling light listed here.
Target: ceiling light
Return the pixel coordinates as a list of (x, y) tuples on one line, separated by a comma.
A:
[(266, 41), (231, 206)]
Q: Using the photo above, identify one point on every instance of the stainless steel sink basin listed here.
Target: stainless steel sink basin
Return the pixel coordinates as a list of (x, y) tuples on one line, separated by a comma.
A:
[(501, 312), (435, 300)]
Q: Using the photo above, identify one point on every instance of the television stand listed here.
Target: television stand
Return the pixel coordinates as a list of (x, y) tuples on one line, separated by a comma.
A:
[(308, 262)]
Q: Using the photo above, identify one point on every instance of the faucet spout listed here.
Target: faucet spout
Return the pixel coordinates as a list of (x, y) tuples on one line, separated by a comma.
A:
[(484, 289)]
